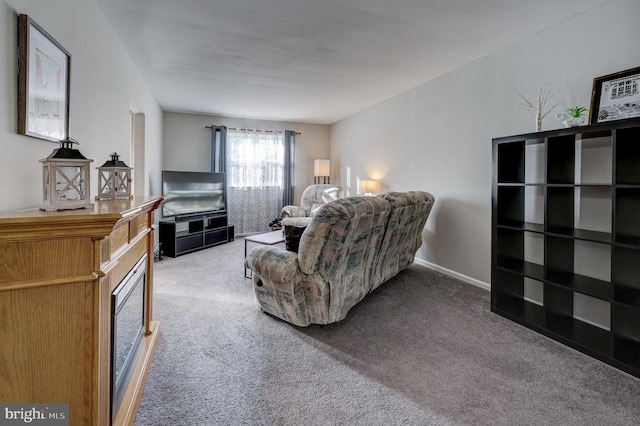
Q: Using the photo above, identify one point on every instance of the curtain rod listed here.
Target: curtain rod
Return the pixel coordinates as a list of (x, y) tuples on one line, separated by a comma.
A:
[(248, 130)]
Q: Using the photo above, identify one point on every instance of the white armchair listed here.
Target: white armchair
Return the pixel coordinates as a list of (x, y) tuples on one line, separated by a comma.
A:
[(296, 218), (313, 197)]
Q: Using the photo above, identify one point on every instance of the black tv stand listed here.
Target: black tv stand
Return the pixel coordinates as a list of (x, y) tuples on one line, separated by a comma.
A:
[(192, 216), (185, 234)]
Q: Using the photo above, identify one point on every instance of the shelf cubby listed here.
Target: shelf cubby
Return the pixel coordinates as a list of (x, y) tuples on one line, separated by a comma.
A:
[(509, 297), (627, 216), (511, 170), (592, 310), (592, 260), (594, 153), (216, 222), (561, 159), (511, 254), (561, 320), (534, 162), (533, 291), (182, 229), (626, 330), (566, 237), (558, 257), (627, 156), (534, 248), (534, 204), (511, 205), (626, 273), (179, 237), (592, 210), (559, 213), (582, 266), (558, 303), (511, 285), (581, 335), (510, 244)]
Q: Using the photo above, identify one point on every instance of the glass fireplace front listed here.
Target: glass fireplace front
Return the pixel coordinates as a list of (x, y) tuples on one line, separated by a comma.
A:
[(128, 313)]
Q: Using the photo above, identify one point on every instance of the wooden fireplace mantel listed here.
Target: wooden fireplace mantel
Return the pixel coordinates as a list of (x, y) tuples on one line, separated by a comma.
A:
[(57, 272)]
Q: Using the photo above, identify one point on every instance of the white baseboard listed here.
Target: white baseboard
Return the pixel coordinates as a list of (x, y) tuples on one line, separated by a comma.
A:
[(454, 274)]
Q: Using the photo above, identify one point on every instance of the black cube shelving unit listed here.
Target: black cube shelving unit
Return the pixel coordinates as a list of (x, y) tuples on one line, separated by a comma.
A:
[(566, 237)]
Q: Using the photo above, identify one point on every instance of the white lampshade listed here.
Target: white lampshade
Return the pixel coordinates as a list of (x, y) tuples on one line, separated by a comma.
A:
[(322, 168), (369, 187)]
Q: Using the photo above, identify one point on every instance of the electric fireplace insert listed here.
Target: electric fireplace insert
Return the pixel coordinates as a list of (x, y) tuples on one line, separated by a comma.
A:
[(128, 314)]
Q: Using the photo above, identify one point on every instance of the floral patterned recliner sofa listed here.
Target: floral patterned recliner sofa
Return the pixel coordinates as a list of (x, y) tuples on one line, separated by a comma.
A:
[(350, 247)]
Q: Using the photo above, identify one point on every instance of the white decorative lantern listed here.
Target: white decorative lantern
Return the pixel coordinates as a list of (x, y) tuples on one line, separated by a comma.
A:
[(65, 179), (114, 180)]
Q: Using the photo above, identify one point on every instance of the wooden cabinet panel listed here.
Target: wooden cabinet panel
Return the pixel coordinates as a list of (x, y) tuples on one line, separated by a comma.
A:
[(47, 330), (45, 260), (119, 238)]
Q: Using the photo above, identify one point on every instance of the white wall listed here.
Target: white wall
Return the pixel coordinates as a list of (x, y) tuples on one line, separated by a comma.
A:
[(104, 86), (187, 143), (437, 137)]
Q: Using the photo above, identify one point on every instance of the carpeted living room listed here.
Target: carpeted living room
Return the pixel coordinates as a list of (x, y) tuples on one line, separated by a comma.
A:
[(325, 213), (423, 349)]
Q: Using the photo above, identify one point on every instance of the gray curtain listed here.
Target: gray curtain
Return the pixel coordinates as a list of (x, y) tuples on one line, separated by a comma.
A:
[(289, 156), (218, 149)]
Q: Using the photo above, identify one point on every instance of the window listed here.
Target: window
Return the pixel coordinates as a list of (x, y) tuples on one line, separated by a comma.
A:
[(255, 169)]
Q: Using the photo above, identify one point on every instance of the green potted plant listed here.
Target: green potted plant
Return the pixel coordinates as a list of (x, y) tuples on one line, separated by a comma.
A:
[(574, 116), (577, 111)]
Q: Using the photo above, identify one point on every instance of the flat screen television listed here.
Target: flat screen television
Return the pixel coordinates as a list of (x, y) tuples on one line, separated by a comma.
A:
[(189, 194)]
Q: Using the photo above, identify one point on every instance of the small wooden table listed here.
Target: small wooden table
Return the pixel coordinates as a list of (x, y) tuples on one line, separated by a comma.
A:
[(268, 238)]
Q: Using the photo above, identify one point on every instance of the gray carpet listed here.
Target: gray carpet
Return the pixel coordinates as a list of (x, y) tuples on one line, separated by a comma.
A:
[(423, 349)]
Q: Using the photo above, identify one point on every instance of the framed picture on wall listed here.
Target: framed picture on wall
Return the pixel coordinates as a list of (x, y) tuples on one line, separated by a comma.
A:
[(615, 96), (43, 83)]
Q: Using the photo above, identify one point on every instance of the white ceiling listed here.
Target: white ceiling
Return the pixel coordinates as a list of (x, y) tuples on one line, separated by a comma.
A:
[(314, 61)]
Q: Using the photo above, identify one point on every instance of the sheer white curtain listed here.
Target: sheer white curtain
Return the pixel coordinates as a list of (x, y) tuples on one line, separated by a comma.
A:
[(255, 170)]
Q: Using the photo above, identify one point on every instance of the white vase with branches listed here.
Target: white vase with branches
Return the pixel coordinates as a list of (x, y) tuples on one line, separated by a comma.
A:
[(540, 104)]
